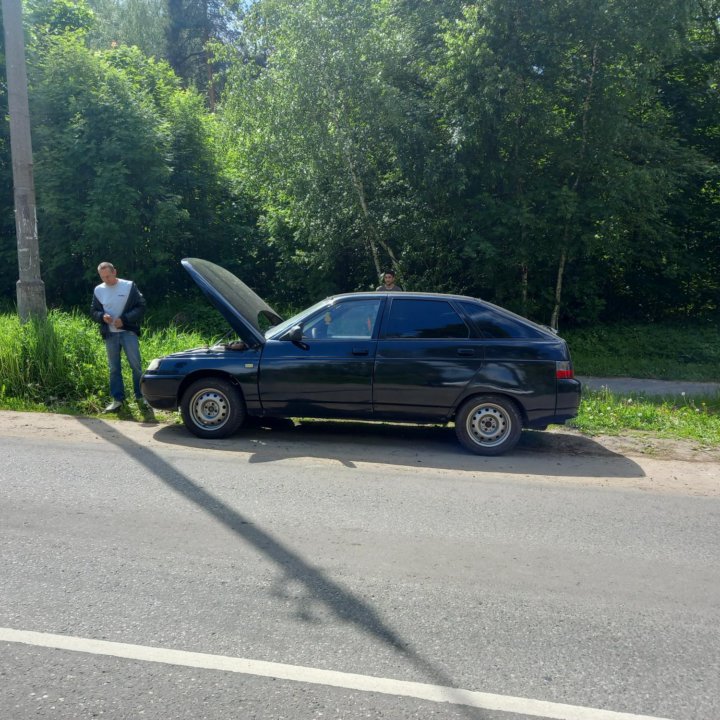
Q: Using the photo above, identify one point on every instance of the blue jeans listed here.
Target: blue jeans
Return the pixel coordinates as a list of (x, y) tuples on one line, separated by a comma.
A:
[(128, 341)]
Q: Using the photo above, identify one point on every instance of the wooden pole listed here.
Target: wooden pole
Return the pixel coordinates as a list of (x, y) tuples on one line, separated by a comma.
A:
[(30, 287)]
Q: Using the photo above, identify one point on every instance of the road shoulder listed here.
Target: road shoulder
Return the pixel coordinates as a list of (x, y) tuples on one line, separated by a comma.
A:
[(559, 456)]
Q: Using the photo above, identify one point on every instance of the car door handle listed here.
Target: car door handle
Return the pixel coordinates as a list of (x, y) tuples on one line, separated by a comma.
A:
[(360, 351), (465, 351)]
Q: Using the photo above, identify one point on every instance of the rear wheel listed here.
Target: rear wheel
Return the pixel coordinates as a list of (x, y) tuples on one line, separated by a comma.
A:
[(212, 408), (488, 425)]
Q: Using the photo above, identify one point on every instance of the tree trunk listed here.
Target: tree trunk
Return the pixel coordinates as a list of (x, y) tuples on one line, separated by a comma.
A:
[(558, 289), (373, 238), (211, 99), (524, 288), (576, 183), (173, 52)]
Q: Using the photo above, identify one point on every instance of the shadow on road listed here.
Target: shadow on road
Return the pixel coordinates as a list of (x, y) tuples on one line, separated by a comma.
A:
[(341, 603), (555, 454)]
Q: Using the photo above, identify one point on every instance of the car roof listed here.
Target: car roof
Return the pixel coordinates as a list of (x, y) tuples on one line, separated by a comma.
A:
[(404, 294)]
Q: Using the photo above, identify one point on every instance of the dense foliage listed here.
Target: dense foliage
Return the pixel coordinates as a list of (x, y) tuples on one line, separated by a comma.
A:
[(560, 158)]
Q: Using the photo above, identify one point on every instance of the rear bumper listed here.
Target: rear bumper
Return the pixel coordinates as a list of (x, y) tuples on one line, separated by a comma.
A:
[(540, 423), (569, 394), (567, 404)]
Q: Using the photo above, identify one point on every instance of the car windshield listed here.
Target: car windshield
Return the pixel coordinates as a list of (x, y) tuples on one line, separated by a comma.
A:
[(278, 330)]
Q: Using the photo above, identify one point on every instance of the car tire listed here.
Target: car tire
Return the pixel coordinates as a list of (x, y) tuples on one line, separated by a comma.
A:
[(212, 408), (488, 425)]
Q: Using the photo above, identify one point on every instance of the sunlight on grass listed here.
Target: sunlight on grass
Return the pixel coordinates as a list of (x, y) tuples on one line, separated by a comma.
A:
[(59, 364), (695, 419)]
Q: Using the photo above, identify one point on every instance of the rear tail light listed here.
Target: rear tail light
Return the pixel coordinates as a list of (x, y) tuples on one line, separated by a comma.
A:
[(564, 370)]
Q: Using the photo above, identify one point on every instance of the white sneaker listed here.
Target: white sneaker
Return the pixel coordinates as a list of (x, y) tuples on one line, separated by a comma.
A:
[(113, 406)]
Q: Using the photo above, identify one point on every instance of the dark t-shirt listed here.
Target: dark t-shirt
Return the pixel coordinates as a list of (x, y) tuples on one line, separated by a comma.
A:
[(393, 288)]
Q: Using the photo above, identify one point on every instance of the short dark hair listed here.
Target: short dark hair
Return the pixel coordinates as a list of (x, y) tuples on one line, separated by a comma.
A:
[(389, 272)]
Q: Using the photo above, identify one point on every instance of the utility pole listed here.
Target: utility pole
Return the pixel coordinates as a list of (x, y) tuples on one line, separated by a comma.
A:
[(30, 287)]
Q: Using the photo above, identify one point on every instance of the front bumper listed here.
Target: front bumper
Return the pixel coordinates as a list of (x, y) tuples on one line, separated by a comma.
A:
[(161, 391)]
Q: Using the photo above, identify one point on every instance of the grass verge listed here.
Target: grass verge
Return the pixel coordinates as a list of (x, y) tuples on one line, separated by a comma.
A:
[(683, 418), (59, 365)]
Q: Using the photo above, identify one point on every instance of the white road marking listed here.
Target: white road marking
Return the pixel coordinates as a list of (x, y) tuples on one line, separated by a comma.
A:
[(350, 681)]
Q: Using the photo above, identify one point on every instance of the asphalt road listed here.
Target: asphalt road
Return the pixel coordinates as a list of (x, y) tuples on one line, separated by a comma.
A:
[(322, 573), (646, 386)]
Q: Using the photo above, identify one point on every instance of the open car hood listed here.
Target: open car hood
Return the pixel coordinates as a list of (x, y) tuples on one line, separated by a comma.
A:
[(248, 314)]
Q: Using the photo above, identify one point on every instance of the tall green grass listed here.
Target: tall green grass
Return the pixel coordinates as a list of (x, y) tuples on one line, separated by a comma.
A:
[(681, 417), (60, 362), (47, 360)]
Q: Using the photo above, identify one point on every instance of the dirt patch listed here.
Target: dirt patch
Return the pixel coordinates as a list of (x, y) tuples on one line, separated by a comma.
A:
[(640, 462), (635, 444)]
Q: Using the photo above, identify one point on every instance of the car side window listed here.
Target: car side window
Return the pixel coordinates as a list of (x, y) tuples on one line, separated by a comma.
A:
[(419, 318), (496, 325), (345, 321)]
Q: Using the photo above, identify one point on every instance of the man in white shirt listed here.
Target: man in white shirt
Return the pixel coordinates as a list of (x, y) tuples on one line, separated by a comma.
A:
[(118, 306)]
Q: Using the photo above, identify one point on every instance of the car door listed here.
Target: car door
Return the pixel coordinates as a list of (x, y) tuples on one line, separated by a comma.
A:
[(426, 355), (329, 372)]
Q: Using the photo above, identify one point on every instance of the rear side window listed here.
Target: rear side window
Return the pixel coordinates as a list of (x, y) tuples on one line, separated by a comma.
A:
[(424, 319), (493, 324)]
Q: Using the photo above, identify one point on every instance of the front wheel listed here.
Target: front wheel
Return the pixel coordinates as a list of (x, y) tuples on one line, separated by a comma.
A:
[(488, 425), (212, 408)]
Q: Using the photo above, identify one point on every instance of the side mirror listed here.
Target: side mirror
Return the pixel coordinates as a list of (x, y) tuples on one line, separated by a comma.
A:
[(295, 334)]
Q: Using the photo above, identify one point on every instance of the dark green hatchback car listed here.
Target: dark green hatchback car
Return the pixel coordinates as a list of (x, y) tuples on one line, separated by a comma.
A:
[(403, 357)]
